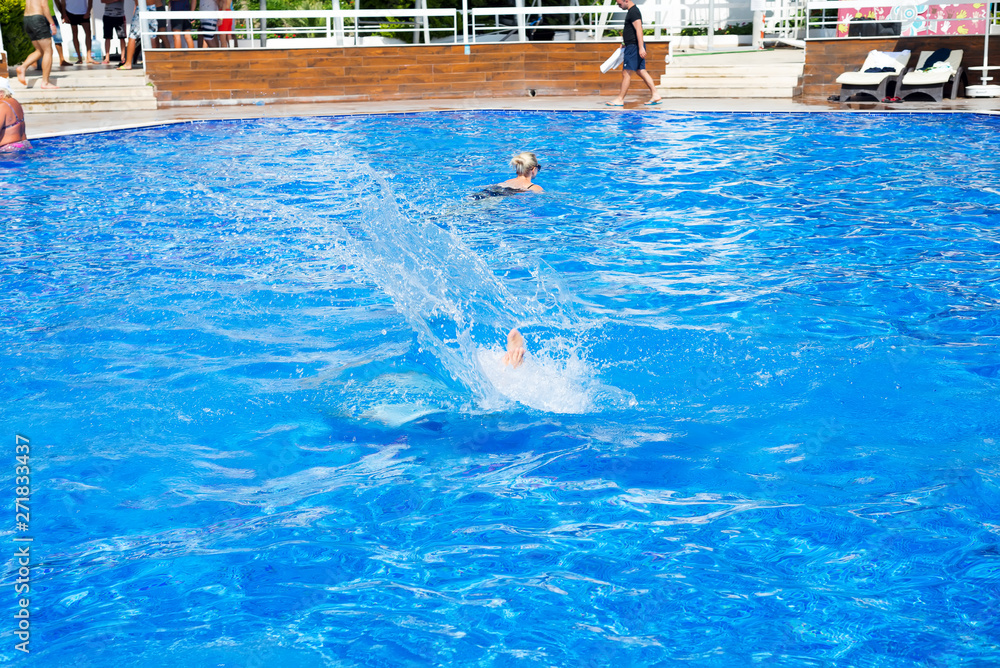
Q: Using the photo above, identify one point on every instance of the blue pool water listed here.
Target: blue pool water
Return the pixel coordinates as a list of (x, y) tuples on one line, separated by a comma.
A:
[(258, 365)]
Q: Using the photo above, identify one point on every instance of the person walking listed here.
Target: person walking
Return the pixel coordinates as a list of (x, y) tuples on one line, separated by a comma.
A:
[(635, 55), (39, 26)]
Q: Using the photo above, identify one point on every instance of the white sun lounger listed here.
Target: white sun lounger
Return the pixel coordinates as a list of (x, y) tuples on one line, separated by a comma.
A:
[(932, 82), (874, 84)]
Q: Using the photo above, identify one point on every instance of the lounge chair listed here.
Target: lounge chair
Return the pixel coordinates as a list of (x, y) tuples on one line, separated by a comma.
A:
[(929, 78), (873, 78)]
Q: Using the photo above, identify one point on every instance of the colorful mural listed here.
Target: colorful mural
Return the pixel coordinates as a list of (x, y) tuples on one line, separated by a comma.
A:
[(965, 19)]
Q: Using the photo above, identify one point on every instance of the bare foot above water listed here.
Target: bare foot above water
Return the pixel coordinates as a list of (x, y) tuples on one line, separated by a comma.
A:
[(515, 349)]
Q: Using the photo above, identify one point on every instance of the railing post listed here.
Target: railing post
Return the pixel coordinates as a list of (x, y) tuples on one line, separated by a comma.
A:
[(711, 25), (522, 34), (465, 21), (143, 28), (757, 7), (263, 24)]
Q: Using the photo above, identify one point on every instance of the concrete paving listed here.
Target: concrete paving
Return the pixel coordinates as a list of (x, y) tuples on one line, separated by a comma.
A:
[(54, 124)]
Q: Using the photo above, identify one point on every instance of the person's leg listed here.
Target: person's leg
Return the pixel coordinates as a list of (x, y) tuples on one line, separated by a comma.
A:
[(134, 32), (74, 30), (62, 57), (107, 51), (29, 61), (129, 55), (648, 80), (188, 40), (626, 82), (46, 45), (86, 33)]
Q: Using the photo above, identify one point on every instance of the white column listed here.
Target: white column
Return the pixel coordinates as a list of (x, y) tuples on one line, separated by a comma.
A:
[(522, 35)]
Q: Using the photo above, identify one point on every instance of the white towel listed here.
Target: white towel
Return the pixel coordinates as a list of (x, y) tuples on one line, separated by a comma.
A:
[(616, 59)]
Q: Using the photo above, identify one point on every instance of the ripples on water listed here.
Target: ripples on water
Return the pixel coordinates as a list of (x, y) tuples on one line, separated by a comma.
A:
[(257, 364)]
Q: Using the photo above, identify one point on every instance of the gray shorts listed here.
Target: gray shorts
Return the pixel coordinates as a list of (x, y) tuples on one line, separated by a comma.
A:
[(134, 29), (37, 28)]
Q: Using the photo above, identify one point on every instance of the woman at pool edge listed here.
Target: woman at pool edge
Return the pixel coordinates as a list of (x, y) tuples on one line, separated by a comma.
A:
[(12, 133), (527, 168)]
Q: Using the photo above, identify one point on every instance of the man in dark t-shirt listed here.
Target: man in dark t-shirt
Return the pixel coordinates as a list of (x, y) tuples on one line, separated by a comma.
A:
[(635, 55)]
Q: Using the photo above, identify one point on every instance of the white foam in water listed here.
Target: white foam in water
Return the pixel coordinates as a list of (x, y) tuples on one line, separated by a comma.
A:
[(459, 308), (540, 382)]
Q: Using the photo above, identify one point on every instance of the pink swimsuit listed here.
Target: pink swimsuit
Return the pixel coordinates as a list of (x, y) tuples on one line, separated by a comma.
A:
[(16, 146)]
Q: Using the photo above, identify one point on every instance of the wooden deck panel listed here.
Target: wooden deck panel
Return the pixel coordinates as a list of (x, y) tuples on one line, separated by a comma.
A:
[(388, 73)]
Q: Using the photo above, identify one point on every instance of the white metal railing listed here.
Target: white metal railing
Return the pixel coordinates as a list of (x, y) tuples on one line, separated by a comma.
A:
[(894, 18), (345, 27), (590, 20), (339, 27), (785, 19)]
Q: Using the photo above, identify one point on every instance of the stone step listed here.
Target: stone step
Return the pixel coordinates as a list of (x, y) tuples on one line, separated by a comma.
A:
[(733, 82), (131, 78), (72, 107), (726, 92), (741, 71), (744, 74), (94, 88), (30, 95)]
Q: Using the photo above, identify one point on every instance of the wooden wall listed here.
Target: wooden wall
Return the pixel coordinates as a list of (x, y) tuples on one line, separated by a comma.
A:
[(829, 58), (391, 72)]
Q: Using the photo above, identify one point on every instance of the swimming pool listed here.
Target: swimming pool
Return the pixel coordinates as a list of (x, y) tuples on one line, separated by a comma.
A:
[(257, 363)]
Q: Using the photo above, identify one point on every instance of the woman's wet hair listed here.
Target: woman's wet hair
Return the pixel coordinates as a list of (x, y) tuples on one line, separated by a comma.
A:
[(523, 163)]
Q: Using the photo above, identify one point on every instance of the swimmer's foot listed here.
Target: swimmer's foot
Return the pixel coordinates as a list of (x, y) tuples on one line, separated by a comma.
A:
[(654, 102), (20, 75), (125, 67), (614, 103), (48, 86), (515, 349)]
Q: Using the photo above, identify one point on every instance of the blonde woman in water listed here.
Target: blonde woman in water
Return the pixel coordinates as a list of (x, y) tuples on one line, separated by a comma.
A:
[(527, 168)]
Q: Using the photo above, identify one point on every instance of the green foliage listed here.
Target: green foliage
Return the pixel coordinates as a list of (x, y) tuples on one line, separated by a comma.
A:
[(16, 43), (732, 29)]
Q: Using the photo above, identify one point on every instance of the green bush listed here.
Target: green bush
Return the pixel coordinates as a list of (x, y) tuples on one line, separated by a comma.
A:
[(15, 42), (733, 29)]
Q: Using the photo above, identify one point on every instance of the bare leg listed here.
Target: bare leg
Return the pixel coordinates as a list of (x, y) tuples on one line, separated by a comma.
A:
[(648, 80), (86, 34), (515, 349), (47, 63), (76, 43), (626, 82), (107, 52), (129, 55), (43, 52), (62, 59), (20, 69)]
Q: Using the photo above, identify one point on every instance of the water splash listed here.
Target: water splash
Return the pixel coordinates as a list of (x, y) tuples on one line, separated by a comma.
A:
[(459, 310)]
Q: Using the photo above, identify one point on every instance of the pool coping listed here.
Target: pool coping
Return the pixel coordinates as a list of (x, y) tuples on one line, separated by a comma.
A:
[(48, 124)]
